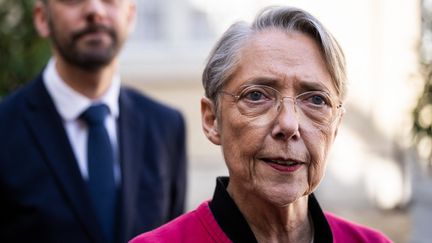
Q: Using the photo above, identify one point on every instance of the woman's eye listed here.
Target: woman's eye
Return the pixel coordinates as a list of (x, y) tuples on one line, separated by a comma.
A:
[(318, 100), (315, 99), (254, 96)]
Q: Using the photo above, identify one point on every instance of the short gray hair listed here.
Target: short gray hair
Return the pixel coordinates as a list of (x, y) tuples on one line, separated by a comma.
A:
[(223, 59)]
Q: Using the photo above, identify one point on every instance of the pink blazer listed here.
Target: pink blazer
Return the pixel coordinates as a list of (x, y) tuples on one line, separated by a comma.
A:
[(200, 226)]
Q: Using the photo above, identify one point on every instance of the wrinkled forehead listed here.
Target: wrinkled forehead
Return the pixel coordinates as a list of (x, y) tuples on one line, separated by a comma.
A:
[(284, 60)]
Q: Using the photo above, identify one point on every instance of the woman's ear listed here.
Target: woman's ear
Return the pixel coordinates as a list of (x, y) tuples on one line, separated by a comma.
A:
[(209, 121), (40, 19)]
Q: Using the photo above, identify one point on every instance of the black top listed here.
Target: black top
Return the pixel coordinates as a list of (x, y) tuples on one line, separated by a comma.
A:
[(235, 226)]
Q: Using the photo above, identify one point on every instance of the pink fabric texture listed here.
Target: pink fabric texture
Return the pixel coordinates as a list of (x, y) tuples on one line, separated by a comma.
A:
[(196, 226), (200, 226), (345, 231)]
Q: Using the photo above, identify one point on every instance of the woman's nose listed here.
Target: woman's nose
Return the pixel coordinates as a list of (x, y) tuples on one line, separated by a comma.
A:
[(287, 121)]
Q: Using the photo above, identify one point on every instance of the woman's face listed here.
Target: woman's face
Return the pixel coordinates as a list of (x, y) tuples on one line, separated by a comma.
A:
[(282, 158)]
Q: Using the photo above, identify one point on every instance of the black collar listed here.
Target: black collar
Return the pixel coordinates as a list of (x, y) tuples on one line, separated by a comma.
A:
[(235, 226)]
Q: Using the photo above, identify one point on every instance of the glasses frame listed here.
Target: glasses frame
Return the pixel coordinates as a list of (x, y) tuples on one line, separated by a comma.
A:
[(337, 104)]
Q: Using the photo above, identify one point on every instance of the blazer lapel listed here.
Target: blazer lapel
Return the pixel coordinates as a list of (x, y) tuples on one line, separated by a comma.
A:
[(48, 130), (132, 130)]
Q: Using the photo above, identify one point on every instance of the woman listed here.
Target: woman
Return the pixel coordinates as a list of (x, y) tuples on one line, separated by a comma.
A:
[(274, 102)]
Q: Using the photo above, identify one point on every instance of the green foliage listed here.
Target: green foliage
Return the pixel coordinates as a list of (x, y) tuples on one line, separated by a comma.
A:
[(22, 52), (422, 126)]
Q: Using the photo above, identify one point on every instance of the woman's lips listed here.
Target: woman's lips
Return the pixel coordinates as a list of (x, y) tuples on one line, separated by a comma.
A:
[(283, 165)]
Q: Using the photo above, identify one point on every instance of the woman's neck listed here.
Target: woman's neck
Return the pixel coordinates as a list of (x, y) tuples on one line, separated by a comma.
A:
[(274, 223)]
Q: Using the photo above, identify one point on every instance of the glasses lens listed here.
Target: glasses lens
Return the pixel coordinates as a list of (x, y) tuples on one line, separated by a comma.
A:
[(256, 100), (317, 106)]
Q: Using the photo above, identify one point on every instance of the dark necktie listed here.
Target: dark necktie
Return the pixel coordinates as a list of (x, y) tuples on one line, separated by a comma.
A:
[(100, 159)]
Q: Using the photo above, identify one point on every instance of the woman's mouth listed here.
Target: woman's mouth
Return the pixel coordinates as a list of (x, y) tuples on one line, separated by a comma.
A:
[(284, 165)]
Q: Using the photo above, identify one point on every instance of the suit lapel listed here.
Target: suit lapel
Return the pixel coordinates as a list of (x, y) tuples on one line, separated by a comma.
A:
[(132, 130), (49, 133)]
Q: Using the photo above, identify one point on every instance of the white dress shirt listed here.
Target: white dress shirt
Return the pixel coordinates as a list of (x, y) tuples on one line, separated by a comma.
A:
[(70, 104)]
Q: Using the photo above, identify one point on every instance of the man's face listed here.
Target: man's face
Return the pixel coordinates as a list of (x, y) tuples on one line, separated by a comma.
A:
[(284, 158), (86, 33)]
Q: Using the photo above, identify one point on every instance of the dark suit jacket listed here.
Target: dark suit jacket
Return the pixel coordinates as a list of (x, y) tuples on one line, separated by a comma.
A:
[(43, 195)]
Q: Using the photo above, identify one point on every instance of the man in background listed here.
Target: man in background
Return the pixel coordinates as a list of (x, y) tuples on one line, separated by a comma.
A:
[(83, 159)]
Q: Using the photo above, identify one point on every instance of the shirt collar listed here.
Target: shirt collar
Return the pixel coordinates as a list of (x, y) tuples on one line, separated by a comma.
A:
[(69, 103), (235, 226)]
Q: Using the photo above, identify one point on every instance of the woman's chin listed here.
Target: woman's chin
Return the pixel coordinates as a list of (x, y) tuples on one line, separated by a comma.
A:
[(282, 196)]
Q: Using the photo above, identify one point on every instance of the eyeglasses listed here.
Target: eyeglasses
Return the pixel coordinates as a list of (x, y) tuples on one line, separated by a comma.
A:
[(263, 103)]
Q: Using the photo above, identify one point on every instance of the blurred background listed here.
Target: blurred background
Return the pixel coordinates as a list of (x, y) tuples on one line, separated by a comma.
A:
[(379, 172)]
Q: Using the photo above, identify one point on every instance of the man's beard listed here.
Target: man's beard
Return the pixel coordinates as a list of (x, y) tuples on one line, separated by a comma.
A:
[(89, 59)]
